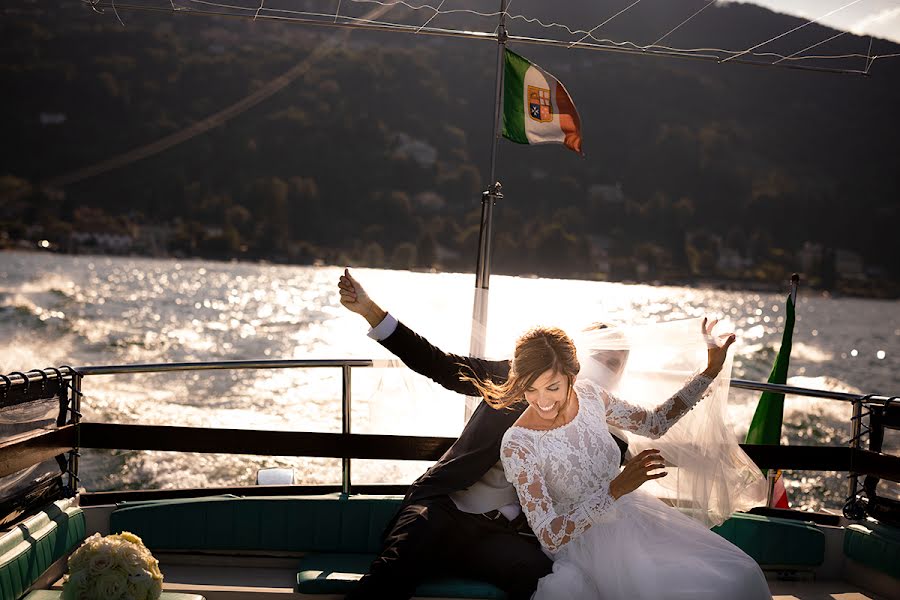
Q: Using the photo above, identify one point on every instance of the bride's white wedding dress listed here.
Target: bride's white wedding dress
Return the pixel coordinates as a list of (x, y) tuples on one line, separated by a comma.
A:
[(634, 547)]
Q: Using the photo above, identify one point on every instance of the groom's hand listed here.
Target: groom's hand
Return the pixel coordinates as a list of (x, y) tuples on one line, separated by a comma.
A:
[(637, 471), (355, 299)]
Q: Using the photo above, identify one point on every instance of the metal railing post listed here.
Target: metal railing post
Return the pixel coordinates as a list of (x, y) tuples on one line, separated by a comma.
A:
[(855, 442), (76, 419), (345, 427)]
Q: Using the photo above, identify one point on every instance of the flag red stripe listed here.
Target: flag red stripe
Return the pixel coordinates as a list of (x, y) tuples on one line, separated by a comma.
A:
[(569, 121)]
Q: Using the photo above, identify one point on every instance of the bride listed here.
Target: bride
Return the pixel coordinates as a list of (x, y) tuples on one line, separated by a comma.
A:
[(607, 537)]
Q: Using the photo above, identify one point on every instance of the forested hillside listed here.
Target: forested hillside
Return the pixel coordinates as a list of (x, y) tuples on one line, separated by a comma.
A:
[(377, 153)]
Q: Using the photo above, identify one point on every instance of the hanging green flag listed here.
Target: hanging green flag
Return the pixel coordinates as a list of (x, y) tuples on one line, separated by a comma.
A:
[(766, 425)]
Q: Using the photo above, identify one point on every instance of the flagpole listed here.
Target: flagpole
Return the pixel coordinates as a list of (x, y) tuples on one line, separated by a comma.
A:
[(488, 198)]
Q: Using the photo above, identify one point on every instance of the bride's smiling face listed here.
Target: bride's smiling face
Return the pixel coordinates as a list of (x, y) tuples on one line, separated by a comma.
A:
[(548, 395)]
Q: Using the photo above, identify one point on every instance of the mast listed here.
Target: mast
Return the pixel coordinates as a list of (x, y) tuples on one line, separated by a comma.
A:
[(488, 198)]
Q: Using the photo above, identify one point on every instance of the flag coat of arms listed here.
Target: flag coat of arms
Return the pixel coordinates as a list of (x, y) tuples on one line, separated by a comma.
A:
[(537, 109)]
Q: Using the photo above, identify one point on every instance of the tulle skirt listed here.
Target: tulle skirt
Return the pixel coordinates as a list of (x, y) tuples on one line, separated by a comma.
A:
[(643, 549)]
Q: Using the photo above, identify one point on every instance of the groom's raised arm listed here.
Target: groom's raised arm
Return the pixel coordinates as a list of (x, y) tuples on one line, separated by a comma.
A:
[(444, 368), (414, 350)]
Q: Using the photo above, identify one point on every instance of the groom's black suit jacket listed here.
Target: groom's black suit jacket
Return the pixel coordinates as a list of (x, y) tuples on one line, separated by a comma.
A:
[(478, 447)]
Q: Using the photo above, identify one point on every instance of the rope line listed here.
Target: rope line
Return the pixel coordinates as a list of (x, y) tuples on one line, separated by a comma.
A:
[(798, 28), (671, 31), (589, 33), (370, 20)]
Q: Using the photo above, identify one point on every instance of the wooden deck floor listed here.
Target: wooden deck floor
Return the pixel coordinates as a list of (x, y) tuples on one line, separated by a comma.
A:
[(229, 582)]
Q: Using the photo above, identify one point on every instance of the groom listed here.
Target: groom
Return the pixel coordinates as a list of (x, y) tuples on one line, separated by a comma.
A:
[(461, 517)]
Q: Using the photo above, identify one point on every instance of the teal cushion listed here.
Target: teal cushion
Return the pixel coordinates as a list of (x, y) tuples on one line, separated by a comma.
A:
[(31, 547), (330, 523), (338, 574), (56, 594), (874, 545), (771, 541)]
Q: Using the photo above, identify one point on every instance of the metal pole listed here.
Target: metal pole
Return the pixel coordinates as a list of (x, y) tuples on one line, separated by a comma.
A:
[(502, 36), (855, 443), (76, 419), (488, 199), (345, 427), (770, 491)]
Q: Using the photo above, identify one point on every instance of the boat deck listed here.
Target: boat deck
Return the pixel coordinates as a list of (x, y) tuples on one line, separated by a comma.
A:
[(250, 578)]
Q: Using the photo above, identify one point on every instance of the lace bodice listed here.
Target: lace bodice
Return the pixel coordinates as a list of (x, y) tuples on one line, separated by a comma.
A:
[(562, 476)]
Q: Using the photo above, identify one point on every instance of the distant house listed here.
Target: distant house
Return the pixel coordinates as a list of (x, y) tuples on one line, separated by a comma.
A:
[(730, 260), (599, 246), (52, 118), (418, 150), (104, 242), (430, 200), (810, 257), (154, 239), (849, 265), (608, 194)]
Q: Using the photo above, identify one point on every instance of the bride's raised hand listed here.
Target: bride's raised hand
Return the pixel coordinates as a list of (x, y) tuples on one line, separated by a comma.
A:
[(716, 351), (637, 471)]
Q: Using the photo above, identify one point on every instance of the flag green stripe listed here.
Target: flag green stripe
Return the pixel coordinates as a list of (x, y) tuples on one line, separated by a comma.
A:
[(513, 97), (766, 425)]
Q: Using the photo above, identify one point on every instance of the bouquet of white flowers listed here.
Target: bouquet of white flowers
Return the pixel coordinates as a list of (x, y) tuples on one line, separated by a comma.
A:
[(115, 567)]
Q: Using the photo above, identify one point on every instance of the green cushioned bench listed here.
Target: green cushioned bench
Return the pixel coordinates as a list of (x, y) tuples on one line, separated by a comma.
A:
[(339, 536), (874, 545), (775, 542), (31, 547), (56, 594), (338, 574), (327, 523)]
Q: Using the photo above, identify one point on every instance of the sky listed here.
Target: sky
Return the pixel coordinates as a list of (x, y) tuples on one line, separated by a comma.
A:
[(880, 18)]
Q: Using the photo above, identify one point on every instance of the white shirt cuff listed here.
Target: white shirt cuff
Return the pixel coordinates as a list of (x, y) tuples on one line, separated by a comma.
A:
[(384, 329)]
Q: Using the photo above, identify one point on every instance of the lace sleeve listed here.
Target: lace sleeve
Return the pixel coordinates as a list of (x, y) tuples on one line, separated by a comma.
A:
[(553, 530), (653, 423)]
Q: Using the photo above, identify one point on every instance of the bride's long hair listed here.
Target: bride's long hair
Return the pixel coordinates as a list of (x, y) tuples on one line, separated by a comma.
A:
[(538, 350)]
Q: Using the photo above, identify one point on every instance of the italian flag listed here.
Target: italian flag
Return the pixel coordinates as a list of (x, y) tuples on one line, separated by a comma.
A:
[(537, 109), (766, 425)]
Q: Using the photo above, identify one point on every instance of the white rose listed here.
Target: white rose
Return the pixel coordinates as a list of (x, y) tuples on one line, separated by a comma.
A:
[(79, 559), (109, 585), (99, 562), (75, 585), (140, 584), (155, 589), (130, 537)]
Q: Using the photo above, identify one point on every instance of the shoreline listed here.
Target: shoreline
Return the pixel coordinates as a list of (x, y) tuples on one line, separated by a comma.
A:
[(861, 289)]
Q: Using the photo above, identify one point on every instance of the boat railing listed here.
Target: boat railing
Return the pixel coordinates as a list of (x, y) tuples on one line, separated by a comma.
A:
[(73, 433)]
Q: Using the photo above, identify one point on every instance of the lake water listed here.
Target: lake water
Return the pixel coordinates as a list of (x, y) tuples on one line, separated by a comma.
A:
[(93, 310)]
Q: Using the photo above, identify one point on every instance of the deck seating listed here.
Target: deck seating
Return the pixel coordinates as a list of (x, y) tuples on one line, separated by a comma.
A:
[(31, 547), (339, 536), (57, 594), (776, 543), (874, 545)]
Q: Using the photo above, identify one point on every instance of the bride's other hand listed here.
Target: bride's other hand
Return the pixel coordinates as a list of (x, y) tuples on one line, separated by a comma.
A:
[(716, 351), (637, 471)]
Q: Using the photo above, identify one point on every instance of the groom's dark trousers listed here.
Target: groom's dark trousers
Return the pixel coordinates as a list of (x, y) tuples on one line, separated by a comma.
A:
[(433, 538), (429, 535)]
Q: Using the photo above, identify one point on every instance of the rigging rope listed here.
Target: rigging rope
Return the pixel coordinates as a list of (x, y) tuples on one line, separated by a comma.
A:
[(370, 21)]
